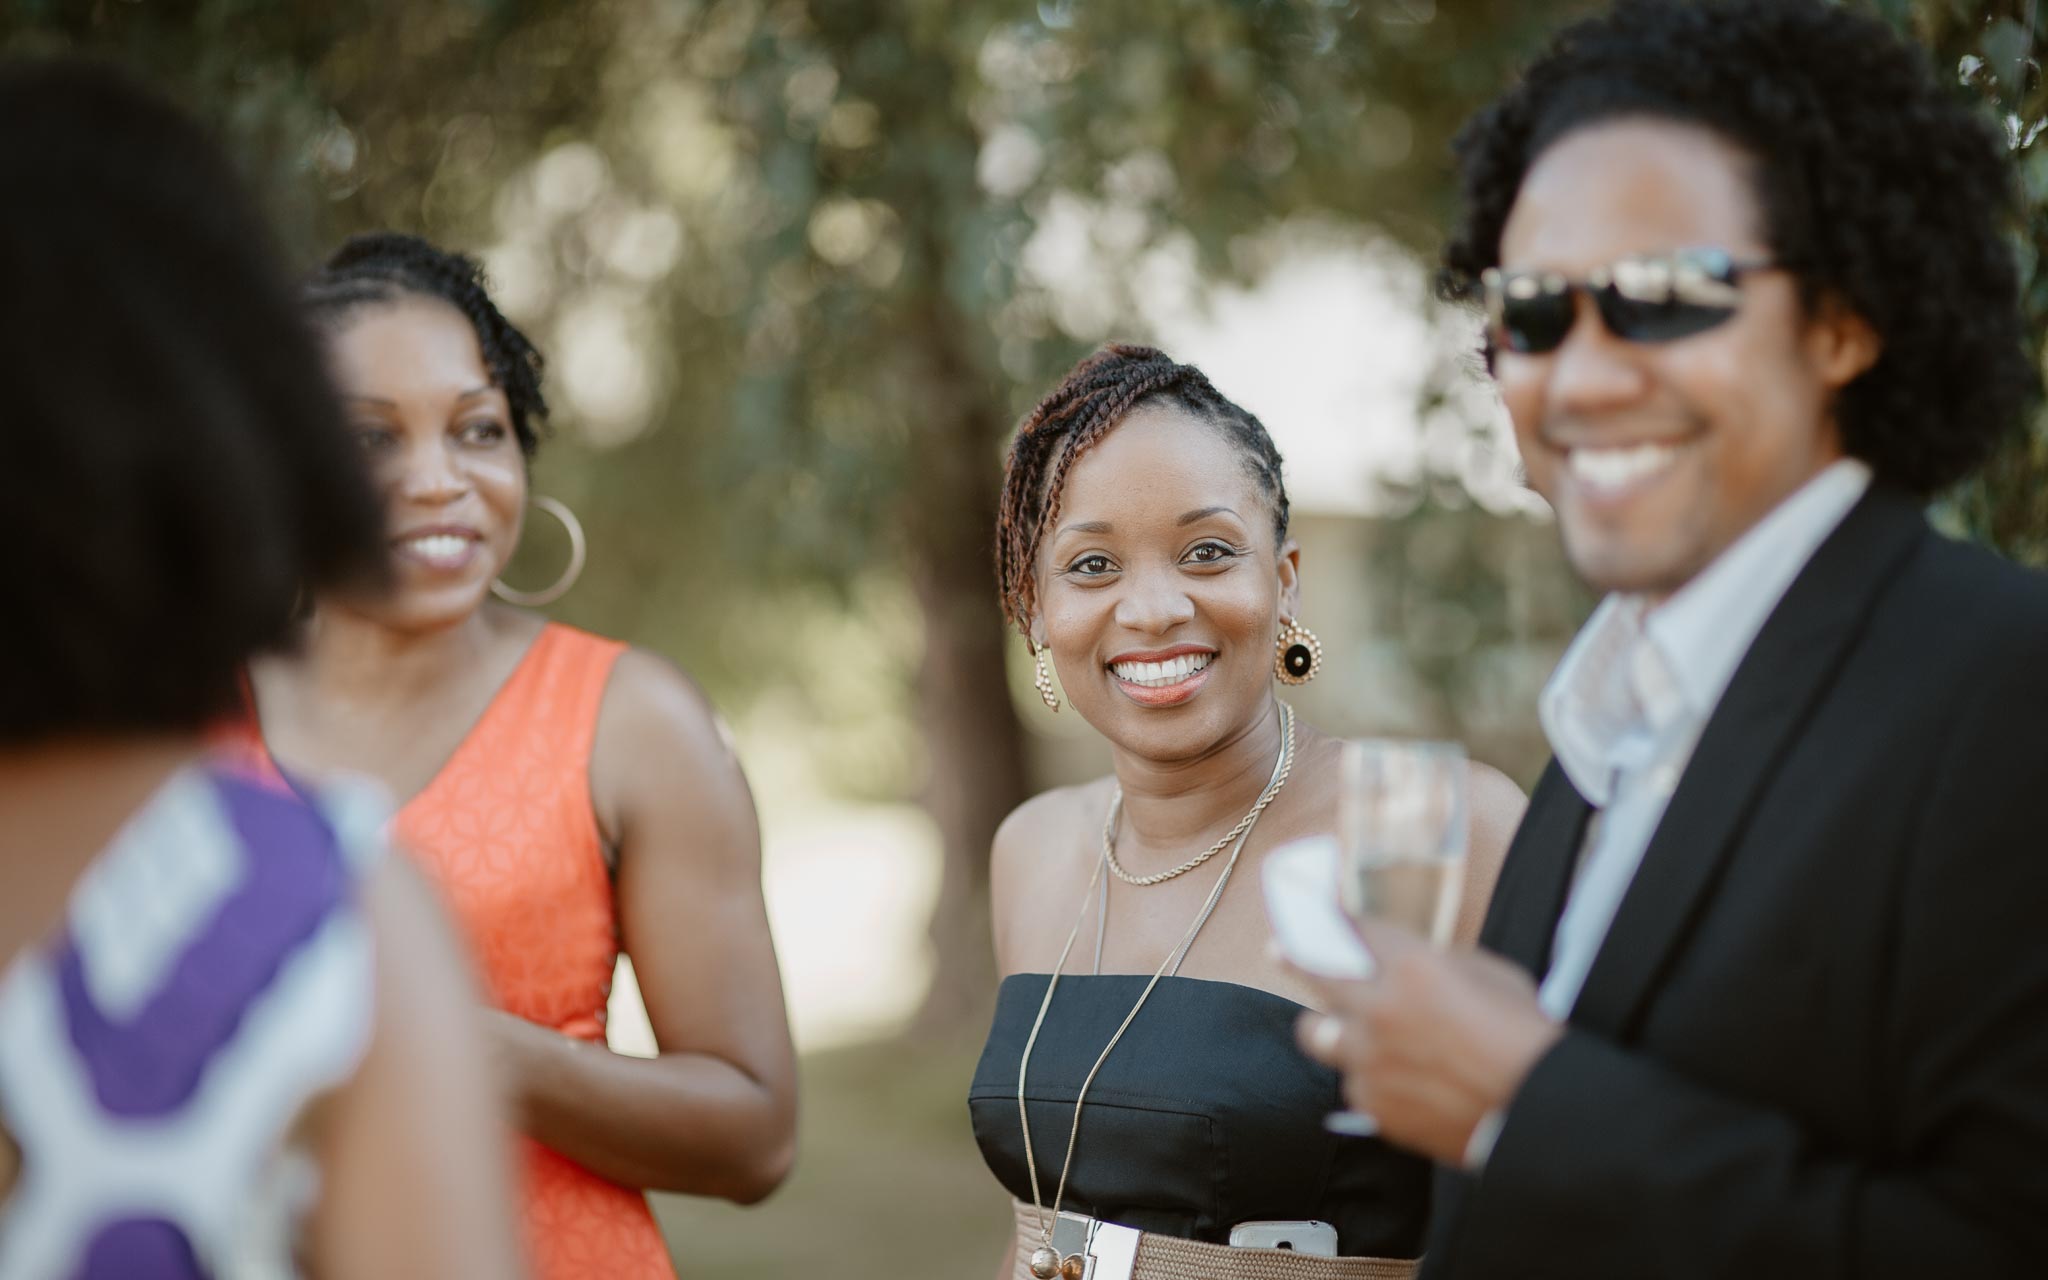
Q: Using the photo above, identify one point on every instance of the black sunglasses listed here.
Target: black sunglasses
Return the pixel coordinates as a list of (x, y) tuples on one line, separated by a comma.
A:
[(1653, 298)]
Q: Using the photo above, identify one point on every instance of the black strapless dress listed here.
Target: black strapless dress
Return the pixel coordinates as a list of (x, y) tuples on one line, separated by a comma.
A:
[(1205, 1116)]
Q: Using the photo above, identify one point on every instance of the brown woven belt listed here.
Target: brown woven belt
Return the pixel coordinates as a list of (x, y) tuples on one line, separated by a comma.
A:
[(1119, 1253)]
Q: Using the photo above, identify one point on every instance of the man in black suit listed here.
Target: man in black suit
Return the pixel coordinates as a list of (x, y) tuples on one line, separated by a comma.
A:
[(1765, 983)]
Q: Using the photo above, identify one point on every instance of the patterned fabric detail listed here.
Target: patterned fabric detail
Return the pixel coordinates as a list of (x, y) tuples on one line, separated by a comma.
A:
[(507, 831), (1162, 1257), (580, 1226), (140, 903), (140, 1249), (151, 1062), (153, 1108)]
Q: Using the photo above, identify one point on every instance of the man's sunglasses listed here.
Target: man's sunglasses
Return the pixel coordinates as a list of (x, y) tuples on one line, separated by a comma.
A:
[(1654, 298)]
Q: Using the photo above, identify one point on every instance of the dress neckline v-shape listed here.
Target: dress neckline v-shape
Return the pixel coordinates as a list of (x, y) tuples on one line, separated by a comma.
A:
[(463, 744)]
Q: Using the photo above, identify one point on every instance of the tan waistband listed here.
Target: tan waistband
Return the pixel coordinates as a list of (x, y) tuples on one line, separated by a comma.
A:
[(1160, 1257)]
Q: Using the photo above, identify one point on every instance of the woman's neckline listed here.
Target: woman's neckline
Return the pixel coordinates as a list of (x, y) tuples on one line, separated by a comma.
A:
[(1067, 978), (1138, 788), (490, 710)]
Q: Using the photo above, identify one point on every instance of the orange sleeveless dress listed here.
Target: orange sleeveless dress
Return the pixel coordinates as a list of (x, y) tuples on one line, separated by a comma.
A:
[(507, 832)]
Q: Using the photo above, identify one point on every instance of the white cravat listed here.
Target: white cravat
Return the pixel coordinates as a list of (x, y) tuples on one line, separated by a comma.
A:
[(1646, 731), (1630, 698)]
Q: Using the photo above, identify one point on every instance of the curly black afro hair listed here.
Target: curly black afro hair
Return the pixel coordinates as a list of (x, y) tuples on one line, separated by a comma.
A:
[(1879, 185), (178, 470), (383, 266)]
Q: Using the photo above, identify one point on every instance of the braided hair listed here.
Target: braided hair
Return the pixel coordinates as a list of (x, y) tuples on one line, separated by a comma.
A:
[(1096, 395), (383, 266)]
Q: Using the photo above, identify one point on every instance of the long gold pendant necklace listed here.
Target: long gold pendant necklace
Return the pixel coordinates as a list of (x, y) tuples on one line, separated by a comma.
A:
[(1046, 1262)]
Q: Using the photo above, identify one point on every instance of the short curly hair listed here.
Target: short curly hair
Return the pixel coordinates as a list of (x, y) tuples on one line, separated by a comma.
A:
[(178, 470), (1097, 394), (1878, 186), (382, 266)]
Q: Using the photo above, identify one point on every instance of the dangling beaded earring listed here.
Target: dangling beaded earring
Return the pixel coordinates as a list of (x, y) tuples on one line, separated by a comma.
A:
[(1044, 677), (1297, 654)]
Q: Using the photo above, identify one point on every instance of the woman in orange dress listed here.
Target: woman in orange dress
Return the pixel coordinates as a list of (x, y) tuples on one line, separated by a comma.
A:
[(568, 794)]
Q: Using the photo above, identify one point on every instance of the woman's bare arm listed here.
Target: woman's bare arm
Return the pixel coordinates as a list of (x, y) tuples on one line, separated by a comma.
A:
[(412, 1151), (715, 1112)]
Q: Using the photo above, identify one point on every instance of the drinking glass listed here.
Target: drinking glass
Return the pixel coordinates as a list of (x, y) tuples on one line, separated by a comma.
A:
[(1401, 829)]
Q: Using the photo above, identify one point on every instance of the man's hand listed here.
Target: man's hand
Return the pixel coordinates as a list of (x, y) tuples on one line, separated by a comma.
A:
[(1432, 1042)]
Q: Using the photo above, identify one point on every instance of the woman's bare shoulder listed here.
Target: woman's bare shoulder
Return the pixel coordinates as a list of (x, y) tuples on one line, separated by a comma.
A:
[(1497, 803), (1059, 820), (1041, 852)]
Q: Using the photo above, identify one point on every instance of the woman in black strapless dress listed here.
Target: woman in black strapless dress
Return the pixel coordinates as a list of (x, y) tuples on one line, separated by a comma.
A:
[(1144, 553)]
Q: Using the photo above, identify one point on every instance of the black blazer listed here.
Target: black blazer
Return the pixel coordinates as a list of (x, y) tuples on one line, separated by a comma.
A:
[(1815, 1041)]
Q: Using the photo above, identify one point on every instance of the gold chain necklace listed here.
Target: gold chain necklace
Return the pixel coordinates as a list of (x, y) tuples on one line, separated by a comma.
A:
[(1046, 1262), (1244, 824)]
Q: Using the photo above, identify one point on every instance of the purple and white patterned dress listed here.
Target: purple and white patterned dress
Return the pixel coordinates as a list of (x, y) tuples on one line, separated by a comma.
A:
[(214, 975)]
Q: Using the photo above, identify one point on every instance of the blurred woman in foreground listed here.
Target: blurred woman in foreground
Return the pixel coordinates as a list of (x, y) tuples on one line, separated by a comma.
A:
[(231, 1038), (565, 792)]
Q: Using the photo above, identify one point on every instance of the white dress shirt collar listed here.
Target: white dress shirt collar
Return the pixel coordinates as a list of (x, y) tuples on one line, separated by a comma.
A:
[(1634, 671)]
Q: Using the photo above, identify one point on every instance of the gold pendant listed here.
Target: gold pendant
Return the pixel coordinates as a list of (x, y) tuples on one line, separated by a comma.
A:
[(1073, 1267), (1045, 1263)]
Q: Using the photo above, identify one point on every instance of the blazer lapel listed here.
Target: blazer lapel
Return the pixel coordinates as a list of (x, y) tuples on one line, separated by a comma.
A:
[(1773, 692), (1537, 872)]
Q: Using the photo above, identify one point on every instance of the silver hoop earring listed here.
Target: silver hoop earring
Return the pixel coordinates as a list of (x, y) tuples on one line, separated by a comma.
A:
[(1044, 679), (1297, 654), (561, 585)]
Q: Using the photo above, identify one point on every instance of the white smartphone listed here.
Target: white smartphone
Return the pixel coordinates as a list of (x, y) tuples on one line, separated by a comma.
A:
[(1318, 1238)]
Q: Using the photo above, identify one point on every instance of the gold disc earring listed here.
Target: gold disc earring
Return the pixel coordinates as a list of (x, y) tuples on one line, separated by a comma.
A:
[(1043, 681), (1297, 654)]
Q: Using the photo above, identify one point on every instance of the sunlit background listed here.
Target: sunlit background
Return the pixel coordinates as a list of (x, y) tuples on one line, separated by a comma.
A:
[(798, 265)]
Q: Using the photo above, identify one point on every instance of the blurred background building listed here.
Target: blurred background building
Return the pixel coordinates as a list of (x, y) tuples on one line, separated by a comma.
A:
[(799, 264)]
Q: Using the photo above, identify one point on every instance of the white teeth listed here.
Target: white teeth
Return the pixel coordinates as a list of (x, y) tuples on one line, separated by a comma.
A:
[(438, 546), (1158, 675), (1618, 468)]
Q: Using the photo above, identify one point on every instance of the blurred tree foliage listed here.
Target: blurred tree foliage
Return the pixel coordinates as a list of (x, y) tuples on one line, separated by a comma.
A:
[(1996, 50), (784, 255)]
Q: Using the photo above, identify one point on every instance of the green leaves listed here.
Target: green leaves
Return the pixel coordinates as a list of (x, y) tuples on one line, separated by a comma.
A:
[(1995, 46), (2005, 48)]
